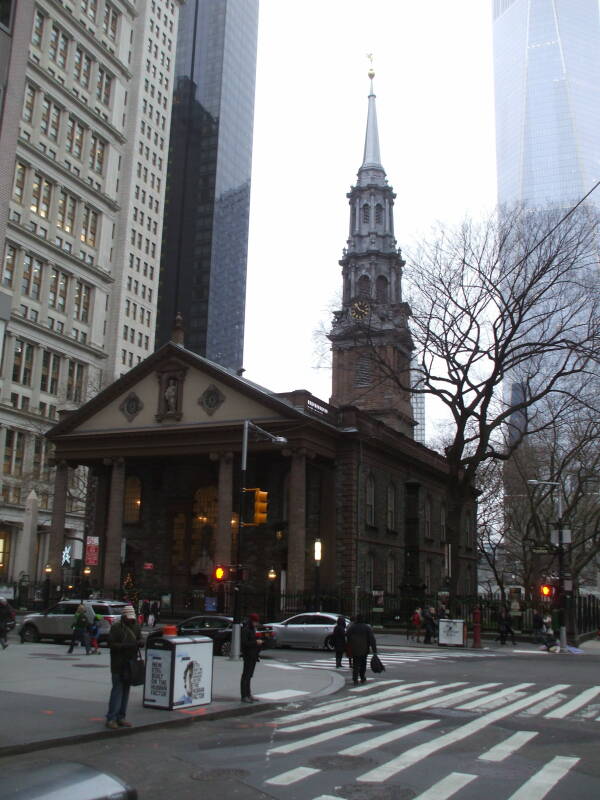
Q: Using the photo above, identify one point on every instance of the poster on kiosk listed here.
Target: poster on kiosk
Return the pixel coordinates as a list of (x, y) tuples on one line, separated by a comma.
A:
[(178, 672)]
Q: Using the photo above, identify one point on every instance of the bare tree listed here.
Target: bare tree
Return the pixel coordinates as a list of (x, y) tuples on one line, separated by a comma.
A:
[(514, 298)]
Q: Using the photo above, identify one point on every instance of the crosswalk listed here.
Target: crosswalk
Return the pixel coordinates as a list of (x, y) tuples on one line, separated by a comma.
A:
[(391, 659), (355, 725)]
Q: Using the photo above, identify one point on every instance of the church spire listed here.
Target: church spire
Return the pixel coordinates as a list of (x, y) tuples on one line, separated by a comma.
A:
[(371, 157)]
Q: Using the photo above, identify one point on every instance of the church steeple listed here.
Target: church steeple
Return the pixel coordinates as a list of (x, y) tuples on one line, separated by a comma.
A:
[(373, 322)]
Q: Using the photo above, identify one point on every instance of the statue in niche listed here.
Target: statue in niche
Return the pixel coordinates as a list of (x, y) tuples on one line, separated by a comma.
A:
[(171, 396)]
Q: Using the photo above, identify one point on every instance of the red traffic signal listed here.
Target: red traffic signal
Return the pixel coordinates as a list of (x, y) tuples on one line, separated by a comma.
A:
[(546, 591), (220, 573)]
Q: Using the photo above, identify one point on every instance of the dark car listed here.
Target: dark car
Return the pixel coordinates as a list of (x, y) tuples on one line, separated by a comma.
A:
[(219, 629)]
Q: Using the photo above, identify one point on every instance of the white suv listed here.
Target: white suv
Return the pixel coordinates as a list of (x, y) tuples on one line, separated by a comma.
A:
[(55, 623)]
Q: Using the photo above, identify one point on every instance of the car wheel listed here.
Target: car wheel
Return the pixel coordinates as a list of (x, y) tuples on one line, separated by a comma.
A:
[(329, 645), (225, 649), (30, 634)]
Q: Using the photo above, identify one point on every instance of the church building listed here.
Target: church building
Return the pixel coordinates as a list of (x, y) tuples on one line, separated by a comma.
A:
[(166, 455)]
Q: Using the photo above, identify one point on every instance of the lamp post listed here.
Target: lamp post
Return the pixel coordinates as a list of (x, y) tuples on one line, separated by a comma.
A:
[(561, 565), (272, 576), (317, 574), (47, 572), (237, 606)]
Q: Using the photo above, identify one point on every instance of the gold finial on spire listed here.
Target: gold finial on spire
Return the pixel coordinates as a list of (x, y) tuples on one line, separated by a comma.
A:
[(371, 70)]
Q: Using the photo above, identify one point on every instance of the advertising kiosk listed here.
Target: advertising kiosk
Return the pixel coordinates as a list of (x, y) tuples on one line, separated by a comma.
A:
[(178, 671)]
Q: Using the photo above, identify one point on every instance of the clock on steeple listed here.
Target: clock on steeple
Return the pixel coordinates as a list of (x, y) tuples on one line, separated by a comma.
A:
[(370, 335)]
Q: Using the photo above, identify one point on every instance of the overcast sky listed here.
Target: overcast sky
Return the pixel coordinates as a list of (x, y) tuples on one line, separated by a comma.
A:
[(434, 87)]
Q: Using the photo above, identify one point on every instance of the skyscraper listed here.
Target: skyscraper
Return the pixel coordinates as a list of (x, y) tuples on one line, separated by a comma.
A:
[(547, 82), (83, 153), (205, 243)]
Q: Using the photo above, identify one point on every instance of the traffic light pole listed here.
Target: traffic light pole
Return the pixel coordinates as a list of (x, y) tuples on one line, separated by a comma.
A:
[(236, 633)]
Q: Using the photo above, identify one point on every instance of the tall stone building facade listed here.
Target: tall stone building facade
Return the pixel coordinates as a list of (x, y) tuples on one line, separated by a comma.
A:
[(83, 156)]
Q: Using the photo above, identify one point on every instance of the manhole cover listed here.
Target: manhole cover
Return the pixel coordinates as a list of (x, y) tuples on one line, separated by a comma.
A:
[(341, 762), (219, 774), (372, 791)]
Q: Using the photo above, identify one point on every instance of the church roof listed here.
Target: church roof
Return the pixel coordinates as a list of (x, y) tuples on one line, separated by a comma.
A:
[(372, 157)]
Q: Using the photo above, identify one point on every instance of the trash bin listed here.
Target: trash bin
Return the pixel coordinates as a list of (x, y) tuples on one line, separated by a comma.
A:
[(178, 671), (452, 632)]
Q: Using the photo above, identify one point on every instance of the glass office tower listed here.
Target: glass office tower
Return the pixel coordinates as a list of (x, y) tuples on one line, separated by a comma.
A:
[(547, 80), (205, 242)]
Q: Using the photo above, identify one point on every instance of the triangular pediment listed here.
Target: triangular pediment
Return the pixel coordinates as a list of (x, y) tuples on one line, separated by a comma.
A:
[(173, 388)]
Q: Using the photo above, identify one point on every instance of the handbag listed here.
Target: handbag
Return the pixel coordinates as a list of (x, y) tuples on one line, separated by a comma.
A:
[(376, 664), (136, 669)]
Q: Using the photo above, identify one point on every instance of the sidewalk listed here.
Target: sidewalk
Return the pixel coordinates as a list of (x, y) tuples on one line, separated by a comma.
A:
[(49, 697)]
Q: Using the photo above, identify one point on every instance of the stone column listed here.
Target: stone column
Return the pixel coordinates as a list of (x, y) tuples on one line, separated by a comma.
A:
[(297, 523), (57, 530), (24, 562), (225, 508), (114, 528)]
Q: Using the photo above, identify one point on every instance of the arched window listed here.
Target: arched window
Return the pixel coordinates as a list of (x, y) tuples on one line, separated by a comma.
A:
[(378, 214), (132, 500), (366, 213), (362, 376), (353, 223), (364, 286), (381, 289), (391, 507), (370, 501)]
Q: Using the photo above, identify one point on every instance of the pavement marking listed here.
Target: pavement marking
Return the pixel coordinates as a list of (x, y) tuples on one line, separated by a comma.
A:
[(447, 786), (492, 698), (506, 748), (451, 698), (544, 706), (292, 776), (416, 754), (371, 707), (282, 694), (321, 737), (278, 666), (573, 705), (532, 652), (385, 738), (538, 786), (328, 797), (368, 686), (353, 702)]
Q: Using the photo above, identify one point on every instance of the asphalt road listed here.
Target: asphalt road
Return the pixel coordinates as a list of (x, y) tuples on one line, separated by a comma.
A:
[(437, 724)]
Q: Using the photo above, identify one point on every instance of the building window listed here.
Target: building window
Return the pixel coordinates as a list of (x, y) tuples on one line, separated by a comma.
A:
[(89, 226), (28, 103), (427, 518), (364, 286), (111, 19), (50, 119), (4, 555), (19, 183), (8, 271), (369, 570), (378, 214), (31, 280), (370, 501), (391, 507), (50, 371), (41, 470), (82, 68), (366, 213), (390, 575), (58, 47), (14, 450), (81, 306), (65, 218), (41, 195), (38, 29), (97, 148), (381, 289), (89, 7), (57, 291), (443, 524), (74, 142), (362, 376), (132, 500), (23, 362), (103, 87)]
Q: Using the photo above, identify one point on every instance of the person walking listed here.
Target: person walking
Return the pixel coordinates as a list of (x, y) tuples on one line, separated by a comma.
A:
[(428, 624), (250, 647), (145, 611), (505, 627), (360, 640), (339, 640), (6, 616), (123, 640), (80, 630), (155, 610), (416, 621)]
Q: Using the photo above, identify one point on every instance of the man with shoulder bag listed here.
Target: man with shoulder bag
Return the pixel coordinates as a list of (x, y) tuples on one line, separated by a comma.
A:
[(124, 640), (360, 640)]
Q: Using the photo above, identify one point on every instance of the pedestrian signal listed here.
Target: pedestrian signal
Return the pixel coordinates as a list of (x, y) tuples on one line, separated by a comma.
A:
[(260, 506), (220, 574)]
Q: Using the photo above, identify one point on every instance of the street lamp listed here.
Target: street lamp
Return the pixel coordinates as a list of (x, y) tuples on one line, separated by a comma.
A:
[(318, 574), (237, 622), (48, 572), (561, 565)]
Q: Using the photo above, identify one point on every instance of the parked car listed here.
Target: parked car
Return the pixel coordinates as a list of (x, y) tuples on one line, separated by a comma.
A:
[(55, 623), (64, 779), (219, 629), (305, 630)]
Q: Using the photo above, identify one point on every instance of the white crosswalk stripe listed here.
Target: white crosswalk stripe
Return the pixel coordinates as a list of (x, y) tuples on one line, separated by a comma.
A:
[(538, 786), (393, 659), (301, 744), (500, 752), (448, 786), (575, 704), (386, 738)]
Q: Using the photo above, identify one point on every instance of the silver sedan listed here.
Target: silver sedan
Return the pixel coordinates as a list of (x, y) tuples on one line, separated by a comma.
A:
[(306, 630)]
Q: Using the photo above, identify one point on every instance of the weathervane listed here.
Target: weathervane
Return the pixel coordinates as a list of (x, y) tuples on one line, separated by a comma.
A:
[(371, 70)]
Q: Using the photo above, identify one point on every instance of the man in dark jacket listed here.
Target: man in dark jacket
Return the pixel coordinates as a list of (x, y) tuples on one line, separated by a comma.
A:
[(6, 617), (360, 638), (124, 639), (338, 638), (249, 647)]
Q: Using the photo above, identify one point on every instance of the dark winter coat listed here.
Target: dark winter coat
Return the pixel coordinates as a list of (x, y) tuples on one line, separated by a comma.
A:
[(249, 643), (339, 636), (6, 615), (123, 640), (360, 638)]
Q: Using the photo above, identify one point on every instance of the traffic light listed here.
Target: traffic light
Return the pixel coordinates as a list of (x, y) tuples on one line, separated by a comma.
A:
[(221, 573), (260, 506), (546, 591)]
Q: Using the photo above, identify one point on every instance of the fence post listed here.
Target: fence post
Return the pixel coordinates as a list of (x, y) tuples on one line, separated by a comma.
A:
[(477, 627)]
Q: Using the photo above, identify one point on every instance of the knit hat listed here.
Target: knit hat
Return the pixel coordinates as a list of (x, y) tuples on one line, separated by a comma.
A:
[(129, 611), (253, 617)]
